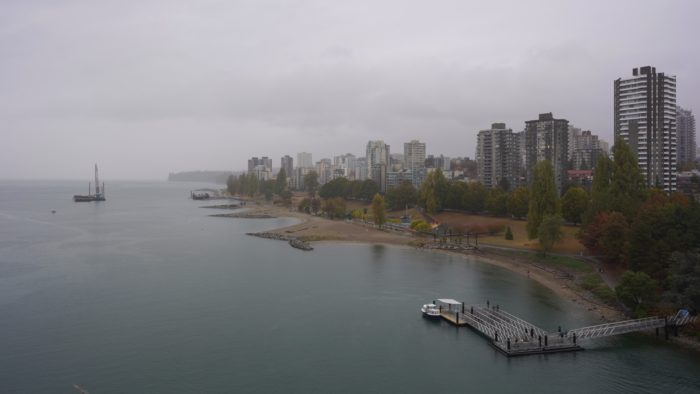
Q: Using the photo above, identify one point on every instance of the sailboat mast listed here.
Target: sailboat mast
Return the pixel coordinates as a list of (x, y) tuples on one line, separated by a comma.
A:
[(97, 182)]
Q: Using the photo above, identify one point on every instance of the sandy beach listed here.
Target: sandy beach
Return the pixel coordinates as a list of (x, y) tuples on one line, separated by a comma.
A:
[(317, 229)]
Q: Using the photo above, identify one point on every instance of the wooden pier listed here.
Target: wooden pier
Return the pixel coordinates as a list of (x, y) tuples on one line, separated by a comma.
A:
[(514, 336)]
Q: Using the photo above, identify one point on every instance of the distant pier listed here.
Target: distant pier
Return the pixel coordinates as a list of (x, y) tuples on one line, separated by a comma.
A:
[(514, 336)]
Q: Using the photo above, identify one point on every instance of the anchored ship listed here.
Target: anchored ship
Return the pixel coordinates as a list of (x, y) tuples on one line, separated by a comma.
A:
[(99, 191)]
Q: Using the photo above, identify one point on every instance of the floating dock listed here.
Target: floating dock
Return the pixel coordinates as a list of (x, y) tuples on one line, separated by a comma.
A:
[(514, 336)]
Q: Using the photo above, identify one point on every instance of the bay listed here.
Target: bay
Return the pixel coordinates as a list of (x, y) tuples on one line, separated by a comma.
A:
[(147, 293)]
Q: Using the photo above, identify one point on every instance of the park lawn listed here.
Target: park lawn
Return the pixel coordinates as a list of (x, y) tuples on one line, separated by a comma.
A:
[(570, 244)]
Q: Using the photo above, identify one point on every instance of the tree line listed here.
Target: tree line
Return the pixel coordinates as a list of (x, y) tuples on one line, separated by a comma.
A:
[(653, 234), (250, 185)]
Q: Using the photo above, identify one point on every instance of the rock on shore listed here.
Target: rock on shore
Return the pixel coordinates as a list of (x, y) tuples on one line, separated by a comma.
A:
[(293, 242), (225, 206), (244, 215)]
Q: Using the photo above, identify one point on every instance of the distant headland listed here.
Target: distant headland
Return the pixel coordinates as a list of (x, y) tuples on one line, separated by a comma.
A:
[(201, 176)]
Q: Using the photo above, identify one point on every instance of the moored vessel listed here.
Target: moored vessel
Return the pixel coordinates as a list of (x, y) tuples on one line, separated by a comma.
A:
[(430, 311), (99, 192)]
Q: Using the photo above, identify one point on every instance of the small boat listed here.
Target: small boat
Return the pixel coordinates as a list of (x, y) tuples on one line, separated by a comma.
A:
[(430, 311)]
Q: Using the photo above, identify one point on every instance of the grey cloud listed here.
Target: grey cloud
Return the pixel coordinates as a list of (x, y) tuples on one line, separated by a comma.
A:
[(163, 79)]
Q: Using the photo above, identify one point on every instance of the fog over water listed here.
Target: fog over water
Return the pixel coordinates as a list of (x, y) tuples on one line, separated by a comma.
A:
[(149, 87)]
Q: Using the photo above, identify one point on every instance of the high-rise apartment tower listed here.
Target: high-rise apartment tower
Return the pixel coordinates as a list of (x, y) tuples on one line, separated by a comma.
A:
[(414, 155), (645, 118), (497, 156), (685, 124), (547, 138)]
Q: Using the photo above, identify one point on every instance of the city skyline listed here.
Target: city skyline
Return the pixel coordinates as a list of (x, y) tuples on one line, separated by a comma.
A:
[(206, 86)]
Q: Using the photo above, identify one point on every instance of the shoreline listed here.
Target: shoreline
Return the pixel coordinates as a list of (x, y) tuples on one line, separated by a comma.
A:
[(318, 229)]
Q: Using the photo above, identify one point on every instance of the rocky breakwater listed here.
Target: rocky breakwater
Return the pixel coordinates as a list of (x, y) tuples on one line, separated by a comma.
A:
[(244, 215), (293, 242), (224, 206)]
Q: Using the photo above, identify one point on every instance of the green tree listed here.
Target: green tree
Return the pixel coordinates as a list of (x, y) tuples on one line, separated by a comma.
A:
[(607, 234), (305, 205), (475, 198), (663, 225), (543, 199), (286, 198), (335, 208), (549, 232), (369, 189), (441, 188), (281, 182), (600, 190), (355, 189), (267, 188), (574, 204), (232, 185), (455, 195), (252, 184), (335, 188), (401, 196), (684, 280), (420, 226), (518, 201), (614, 235), (509, 234), (426, 194), (638, 291), (497, 201), (627, 187), (311, 183), (434, 192), (378, 210)]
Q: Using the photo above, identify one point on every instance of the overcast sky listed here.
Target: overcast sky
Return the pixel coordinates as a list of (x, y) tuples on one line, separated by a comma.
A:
[(152, 86)]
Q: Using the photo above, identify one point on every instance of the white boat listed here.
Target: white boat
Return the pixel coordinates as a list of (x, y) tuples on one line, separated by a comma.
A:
[(430, 311)]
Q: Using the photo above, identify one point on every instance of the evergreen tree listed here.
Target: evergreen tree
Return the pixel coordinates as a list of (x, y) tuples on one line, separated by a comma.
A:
[(281, 183), (509, 234), (627, 187), (232, 185), (543, 199), (311, 183), (250, 184)]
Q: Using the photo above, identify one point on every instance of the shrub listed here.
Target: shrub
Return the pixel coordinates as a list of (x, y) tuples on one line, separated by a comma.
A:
[(509, 234)]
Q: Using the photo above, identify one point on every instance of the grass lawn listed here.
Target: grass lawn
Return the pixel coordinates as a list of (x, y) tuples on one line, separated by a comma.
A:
[(569, 244)]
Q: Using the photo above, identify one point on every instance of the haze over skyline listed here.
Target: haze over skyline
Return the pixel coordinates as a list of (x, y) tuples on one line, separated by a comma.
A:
[(153, 87)]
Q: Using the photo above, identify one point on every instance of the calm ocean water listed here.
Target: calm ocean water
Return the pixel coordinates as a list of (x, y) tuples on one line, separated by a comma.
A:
[(145, 293)]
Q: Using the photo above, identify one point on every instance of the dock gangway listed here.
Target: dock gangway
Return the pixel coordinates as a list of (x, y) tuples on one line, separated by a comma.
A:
[(617, 328)]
